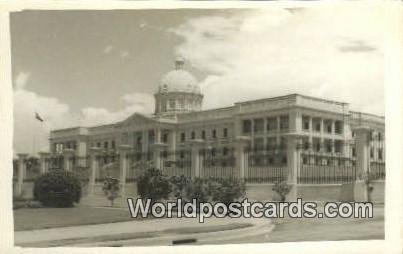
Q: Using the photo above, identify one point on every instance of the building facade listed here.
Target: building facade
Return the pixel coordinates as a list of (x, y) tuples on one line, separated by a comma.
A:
[(178, 122)]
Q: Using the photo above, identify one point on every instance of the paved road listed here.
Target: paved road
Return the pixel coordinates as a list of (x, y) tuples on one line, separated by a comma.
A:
[(158, 230)]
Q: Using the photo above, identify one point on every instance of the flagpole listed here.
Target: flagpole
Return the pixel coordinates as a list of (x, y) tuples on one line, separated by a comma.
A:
[(33, 137)]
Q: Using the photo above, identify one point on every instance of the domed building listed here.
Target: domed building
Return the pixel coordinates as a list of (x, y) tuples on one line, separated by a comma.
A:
[(178, 92), (179, 130)]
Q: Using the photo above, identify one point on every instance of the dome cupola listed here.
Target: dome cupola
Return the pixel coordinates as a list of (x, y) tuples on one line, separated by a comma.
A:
[(179, 80), (178, 91)]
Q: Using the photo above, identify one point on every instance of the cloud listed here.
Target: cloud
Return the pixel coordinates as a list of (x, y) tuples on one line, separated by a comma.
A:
[(22, 79), (124, 54), (135, 103), (31, 135), (271, 52), (356, 46), (108, 49)]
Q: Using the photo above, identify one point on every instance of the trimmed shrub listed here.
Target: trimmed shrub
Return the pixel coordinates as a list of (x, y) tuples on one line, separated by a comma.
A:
[(282, 189), (57, 189), (210, 189), (178, 185), (197, 188), (111, 188), (228, 190), (154, 185)]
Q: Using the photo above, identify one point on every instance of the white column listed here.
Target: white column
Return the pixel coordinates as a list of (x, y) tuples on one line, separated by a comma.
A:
[(21, 168), (195, 146), (363, 162), (157, 150), (293, 164), (241, 160), (172, 145), (94, 167), (144, 141), (362, 150), (43, 161), (68, 155), (124, 165)]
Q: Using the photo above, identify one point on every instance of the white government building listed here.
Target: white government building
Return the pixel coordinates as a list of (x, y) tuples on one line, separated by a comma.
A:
[(325, 126)]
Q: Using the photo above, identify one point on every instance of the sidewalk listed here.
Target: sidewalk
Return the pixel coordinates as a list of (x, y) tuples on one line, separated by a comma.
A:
[(139, 231)]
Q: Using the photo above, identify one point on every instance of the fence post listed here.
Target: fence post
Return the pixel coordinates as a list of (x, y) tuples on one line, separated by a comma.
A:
[(123, 156), (68, 154), (362, 162), (43, 161), (94, 167), (293, 164), (241, 143), (21, 168), (195, 146), (157, 149)]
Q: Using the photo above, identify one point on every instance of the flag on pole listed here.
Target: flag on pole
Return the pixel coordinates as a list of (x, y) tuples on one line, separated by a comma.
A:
[(38, 117)]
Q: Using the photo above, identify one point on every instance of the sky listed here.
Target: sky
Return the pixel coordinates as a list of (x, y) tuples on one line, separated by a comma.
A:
[(94, 67)]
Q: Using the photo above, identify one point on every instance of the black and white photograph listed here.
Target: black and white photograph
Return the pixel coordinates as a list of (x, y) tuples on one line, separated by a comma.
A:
[(198, 126)]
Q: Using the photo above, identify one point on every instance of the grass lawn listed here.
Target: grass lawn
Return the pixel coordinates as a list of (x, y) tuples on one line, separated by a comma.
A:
[(39, 218)]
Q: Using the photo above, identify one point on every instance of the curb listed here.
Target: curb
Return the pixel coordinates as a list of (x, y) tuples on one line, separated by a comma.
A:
[(201, 238)]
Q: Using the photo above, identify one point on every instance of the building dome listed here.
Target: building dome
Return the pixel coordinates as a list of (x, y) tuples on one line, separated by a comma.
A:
[(179, 80), (178, 92)]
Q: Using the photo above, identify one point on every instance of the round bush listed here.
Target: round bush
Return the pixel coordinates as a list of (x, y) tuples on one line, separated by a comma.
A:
[(154, 185), (57, 189)]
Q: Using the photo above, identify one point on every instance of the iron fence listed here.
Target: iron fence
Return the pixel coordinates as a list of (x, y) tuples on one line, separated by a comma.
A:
[(265, 166), (326, 169)]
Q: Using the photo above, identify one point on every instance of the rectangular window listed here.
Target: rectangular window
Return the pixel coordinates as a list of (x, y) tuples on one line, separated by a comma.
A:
[(225, 151), (283, 143), (99, 144), (193, 135), (225, 132), (380, 154), (214, 133), (271, 124), (317, 127), (284, 122), (380, 136), (113, 144), (172, 103), (328, 145), (106, 144), (306, 144), (371, 153), (165, 138), (246, 126), (338, 127), (183, 137), (203, 134), (305, 123), (271, 143), (258, 125), (213, 152), (328, 125), (258, 144), (338, 145), (151, 136)]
